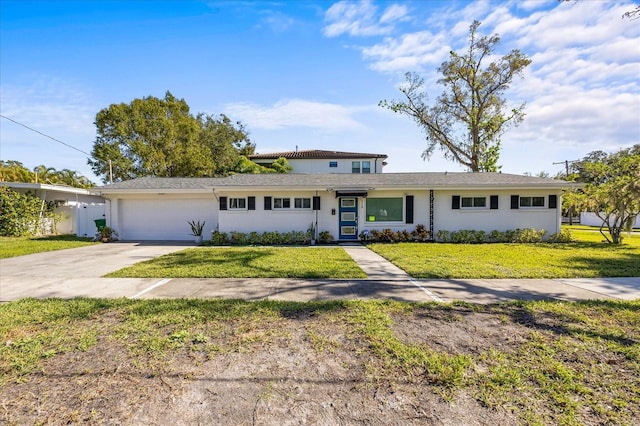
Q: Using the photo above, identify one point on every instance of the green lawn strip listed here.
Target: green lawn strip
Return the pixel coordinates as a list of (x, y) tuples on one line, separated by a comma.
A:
[(542, 260), (593, 235), (572, 363), (20, 246), (247, 262)]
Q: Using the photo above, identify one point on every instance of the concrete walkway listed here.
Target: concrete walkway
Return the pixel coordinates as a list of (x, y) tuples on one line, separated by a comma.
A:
[(77, 273)]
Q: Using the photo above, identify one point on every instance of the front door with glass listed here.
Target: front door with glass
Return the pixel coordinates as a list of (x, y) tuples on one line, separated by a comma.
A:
[(348, 218)]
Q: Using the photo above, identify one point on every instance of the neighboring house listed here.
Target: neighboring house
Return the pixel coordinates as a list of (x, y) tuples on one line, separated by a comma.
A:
[(344, 204), (591, 219), (78, 207), (319, 161)]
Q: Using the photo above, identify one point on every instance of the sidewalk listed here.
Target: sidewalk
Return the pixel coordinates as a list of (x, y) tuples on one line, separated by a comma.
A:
[(77, 273)]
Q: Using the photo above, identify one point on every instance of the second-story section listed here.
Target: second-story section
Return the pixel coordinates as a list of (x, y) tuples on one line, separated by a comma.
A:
[(321, 161)]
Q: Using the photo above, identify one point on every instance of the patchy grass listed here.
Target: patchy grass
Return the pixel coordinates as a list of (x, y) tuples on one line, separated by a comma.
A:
[(544, 362), (20, 246), (248, 262), (542, 260)]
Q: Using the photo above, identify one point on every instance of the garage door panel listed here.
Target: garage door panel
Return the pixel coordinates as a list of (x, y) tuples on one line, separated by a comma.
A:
[(163, 219)]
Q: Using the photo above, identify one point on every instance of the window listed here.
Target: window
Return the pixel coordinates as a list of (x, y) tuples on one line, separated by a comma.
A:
[(302, 203), (348, 202), (237, 203), (348, 230), (531, 201), (282, 203), (333, 164), (366, 167), (355, 167), (384, 209), (474, 202)]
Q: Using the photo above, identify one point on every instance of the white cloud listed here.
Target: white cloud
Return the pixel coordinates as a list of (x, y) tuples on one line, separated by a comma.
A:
[(582, 89), (361, 18), (294, 113), (395, 12)]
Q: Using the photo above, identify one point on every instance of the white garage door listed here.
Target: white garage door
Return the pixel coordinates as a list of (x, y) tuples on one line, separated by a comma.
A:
[(164, 219)]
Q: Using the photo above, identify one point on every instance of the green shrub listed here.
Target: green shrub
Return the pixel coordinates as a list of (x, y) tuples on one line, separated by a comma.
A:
[(564, 236), (219, 238), (466, 236), (529, 235), (325, 237), (443, 236), (20, 213)]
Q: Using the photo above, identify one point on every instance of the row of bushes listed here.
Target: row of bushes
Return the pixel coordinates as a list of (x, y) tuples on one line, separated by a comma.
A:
[(388, 235), (510, 236), (25, 214), (266, 238)]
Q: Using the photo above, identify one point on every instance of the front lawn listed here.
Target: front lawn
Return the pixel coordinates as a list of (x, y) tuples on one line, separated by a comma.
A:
[(20, 246), (248, 262), (542, 260), (231, 362)]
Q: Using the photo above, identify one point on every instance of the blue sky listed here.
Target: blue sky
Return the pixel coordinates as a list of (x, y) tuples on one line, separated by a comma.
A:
[(311, 73)]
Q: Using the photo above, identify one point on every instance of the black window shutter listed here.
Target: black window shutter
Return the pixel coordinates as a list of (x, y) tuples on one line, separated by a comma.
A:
[(515, 201), (316, 203), (223, 203), (493, 202), (455, 202), (267, 203), (553, 201), (251, 203), (408, 209)]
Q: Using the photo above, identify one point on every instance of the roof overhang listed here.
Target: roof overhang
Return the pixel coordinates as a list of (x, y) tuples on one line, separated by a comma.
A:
[(351, 193)]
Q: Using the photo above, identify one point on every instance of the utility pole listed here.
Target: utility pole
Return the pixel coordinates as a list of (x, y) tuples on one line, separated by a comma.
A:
[(566, 166)]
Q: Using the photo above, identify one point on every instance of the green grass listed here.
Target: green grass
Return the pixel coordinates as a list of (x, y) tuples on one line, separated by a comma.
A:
[(583, 233), (587, 258), (20, 246), (558, 363), (248, 262)]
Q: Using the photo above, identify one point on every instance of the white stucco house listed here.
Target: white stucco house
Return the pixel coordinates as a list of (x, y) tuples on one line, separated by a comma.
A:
[(344, 203), (79, 207)]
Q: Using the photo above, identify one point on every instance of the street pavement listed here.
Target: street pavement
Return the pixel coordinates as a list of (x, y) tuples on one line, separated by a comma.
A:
[(77, 273)]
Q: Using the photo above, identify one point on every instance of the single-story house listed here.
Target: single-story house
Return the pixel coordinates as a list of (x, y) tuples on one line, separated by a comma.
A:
[(345, 204), (79, 207)]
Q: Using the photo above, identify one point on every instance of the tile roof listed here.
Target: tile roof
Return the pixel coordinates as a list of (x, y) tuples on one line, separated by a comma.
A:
[(322, 181), (315, 154)]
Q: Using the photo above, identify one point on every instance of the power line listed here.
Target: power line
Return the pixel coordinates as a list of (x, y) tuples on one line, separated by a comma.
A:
[(45, 135)]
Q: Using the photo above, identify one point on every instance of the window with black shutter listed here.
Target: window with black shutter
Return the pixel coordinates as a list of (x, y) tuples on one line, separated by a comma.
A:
[(455, 202), (493, 202), (515, 201), (408, 209)]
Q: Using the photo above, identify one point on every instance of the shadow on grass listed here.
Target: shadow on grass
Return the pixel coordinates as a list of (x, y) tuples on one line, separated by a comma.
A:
[(66, 237), (217, 309)]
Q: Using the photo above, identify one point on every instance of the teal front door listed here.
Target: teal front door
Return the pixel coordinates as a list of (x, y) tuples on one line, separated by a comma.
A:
[(348, 218)]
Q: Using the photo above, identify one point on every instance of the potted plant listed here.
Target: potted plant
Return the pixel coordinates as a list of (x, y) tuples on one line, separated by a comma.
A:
[(196, 230), (106, 234), (311, 233)]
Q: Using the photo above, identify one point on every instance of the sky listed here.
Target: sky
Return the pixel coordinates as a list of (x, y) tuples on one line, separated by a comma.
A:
[(310, 74)]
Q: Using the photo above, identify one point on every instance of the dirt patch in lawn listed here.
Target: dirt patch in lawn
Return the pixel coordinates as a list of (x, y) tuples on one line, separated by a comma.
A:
[(299, 368)]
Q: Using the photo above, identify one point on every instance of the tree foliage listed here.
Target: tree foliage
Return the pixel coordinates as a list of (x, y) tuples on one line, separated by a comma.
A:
[(467, 120), (160, 137), (15, 171), (21, 214), (612, 189)]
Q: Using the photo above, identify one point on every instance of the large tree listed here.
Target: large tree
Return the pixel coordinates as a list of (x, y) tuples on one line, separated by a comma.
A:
[(467, 120), (612, 189), (160, 137)]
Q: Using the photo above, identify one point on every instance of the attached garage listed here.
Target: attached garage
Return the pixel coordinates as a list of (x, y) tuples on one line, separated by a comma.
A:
[(164, 218)]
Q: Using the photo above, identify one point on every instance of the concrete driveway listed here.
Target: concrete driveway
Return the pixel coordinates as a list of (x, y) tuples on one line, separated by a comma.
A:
[(76, 273)]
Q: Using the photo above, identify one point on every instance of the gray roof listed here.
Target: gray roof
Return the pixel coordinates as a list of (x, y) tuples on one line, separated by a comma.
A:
[(334, 181), (314, 154)]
